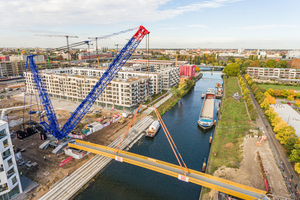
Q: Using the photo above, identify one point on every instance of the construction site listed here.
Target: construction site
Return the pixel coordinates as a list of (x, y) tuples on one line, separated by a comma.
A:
[(67, 125)]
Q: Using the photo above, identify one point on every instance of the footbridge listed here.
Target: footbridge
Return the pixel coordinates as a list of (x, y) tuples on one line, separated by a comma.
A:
[(199, 178)]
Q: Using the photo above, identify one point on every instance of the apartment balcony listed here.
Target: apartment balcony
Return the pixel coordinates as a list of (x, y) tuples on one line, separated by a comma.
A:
[(6, 154)]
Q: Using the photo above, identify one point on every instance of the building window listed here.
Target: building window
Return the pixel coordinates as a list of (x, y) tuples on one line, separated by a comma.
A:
[(5, 143), (10, 172), (14, 192), (10, 162), (14, 180), (1, 168), (6, 154), (3, 133)]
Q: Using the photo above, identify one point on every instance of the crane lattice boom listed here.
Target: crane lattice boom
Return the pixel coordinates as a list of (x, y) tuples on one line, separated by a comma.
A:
[(82, 109)]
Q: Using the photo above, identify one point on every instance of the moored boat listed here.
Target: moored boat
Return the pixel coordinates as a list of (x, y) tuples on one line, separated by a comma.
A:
[(153, 129), (219, 93), (206, 118), (202, 96)]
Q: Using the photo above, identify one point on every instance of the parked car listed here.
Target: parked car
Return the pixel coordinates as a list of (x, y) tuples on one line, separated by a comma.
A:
[(96, 111), (32, 112)]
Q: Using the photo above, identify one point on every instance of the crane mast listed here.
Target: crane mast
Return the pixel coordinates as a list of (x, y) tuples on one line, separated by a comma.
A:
[(52, 126)]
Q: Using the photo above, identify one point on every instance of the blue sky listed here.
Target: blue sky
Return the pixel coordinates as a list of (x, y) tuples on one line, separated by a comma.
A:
[(172, 23)]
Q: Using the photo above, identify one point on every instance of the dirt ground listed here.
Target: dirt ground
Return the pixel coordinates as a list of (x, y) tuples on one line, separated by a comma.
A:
[(47, 172), (7, 103), (249, 172)]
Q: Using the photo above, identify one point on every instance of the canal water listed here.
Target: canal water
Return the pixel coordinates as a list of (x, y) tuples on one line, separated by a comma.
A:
[(124, 181)]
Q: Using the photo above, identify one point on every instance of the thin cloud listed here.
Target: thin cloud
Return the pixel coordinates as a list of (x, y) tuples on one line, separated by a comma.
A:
[(197, 25), (267, 27), (53, 13), (169, 28)]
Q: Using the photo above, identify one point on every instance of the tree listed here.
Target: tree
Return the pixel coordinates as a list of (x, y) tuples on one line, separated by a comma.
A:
[(265, 104), (290, 98), (297, 167), (285, 133), (266, 94), (278, 65), (232, 69), (175, 91), (271, 99), (261, 63), (290, 142), (284, 93), (295, 155), (283, 64), (188, 84), (271, 114), (197, 69), (276, 120), (255, 63), (291, 92), (277, 93), (248, 63), (297, 103), (271, 91), (231, 59), (246, 92), (282, 124), (270, 64)]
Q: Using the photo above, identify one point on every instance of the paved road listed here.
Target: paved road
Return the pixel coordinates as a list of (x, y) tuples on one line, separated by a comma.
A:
[(276, 146), (193, 176), (150, 109)]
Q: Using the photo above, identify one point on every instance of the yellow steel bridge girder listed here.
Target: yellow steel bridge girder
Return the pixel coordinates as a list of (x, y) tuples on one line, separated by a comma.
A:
[(167, 172)]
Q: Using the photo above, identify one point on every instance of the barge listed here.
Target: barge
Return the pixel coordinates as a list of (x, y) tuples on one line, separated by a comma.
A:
[(206, 118)]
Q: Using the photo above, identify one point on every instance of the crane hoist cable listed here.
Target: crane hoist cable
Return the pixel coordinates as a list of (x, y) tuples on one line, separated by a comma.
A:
[(171, 142), (127, 130)]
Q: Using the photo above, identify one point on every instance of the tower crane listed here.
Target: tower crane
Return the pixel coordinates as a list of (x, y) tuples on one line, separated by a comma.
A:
[(66, 36), (53, 126)]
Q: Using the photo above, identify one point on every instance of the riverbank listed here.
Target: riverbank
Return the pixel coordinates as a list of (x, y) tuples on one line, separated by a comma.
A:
[(234, 151), (177, 95), (232, 126)]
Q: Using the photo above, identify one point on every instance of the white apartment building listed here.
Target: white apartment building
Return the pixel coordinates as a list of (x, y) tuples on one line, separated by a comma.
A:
[(156, 64), (10, 184), (285, 73), (293, 54), (170, 77), (125, 91)]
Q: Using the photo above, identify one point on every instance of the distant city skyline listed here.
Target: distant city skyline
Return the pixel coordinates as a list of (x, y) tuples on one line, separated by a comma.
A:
[(269, 24)]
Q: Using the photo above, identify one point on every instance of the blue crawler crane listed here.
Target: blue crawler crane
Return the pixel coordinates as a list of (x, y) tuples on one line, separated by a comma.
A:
[(52, 126)]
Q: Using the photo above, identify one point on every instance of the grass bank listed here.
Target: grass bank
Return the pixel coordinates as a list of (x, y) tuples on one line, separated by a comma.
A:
[(229, 133), (278, 87)]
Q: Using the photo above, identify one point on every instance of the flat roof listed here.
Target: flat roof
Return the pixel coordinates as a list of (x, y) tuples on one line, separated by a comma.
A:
[(289, 115)]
